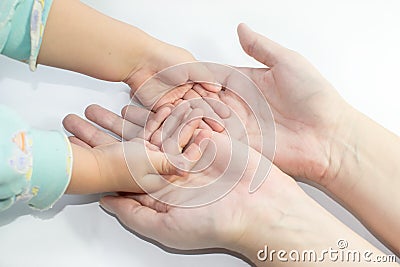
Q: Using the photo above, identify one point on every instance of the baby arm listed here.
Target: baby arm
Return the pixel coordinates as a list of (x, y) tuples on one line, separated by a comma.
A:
[(81, 39), (70, 35)]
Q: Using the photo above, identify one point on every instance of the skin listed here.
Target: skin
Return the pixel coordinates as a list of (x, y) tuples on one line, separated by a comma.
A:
[(74, 36), (103, 167), (324, 140), (319, 138), (279, 214), (80, 39)]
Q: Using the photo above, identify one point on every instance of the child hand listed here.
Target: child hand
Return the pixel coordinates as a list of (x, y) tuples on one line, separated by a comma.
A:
[(103, 163), (169, 85)]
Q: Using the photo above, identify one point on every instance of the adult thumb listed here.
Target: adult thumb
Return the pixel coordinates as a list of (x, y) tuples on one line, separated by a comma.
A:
[(260, 47)]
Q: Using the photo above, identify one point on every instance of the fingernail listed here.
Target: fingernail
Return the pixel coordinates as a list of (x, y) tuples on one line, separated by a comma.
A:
[(214, 87), (217, 86)]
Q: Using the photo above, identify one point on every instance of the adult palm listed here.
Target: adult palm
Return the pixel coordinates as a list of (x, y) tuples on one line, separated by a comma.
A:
[(306, 109), (206, 225)]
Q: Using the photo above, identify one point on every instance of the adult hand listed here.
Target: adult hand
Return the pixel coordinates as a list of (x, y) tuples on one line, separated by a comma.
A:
[(308, 113), (279, 214), (204, 224), (321, 138)]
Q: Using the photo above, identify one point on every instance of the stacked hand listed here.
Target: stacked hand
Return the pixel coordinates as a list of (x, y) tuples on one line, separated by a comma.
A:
[(287, 215), (140, 171), (313, 129), (207, 224)]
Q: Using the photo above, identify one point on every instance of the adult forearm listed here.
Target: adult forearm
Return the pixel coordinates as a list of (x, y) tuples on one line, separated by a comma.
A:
[(307, 235), (80, 39), (366, 179)]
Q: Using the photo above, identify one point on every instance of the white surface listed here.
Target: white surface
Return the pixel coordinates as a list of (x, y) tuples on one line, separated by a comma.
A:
[(355, 45)]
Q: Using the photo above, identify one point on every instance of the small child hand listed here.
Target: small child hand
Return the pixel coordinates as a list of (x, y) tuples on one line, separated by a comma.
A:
[(103, 164), (169, 86)]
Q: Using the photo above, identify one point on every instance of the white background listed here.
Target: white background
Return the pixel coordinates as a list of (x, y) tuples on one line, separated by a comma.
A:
[(355, 44)]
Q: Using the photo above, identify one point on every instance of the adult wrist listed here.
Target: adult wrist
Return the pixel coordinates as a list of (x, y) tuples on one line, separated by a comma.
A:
[(275, 217), (341, 145), (302, 230)]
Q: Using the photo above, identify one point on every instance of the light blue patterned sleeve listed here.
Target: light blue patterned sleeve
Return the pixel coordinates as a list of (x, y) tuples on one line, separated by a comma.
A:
[(35, 166), (22, 24)]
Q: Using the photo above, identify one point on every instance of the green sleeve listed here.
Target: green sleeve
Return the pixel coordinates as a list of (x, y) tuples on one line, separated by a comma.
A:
[(22, 24), (35, 166)]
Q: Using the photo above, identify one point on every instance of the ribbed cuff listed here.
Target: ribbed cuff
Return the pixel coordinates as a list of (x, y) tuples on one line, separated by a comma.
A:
[(52, 168)]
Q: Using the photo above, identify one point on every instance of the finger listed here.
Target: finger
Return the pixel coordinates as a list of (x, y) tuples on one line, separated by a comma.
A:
[(78, 142), (174, 120), (172, 96), (204, 126), (153, 129), (212, 87), (155, 121), (199, 73), (210, 117), (194, 151), (260, 47), (185, 162), (152, 146), (104, 118), (156, 137), (142, 219), (202, 92), (181, 163), (136, 115), (184, 133), (191, 94), (112, 122), (135, 119), (148, 201), (213, 100), (87, 132), (165, 87)]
